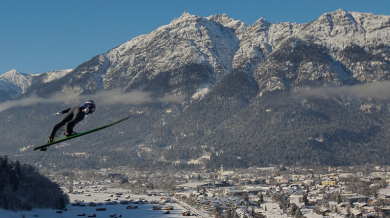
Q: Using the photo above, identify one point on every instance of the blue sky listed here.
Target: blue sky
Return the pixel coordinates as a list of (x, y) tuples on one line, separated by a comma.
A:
[(42, 35)]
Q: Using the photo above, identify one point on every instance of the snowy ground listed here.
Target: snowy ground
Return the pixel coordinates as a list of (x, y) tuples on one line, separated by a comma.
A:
[(144, 210)]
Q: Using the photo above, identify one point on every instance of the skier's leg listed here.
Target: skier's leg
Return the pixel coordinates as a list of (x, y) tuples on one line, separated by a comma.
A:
[(69, 126), (67, 118), (78, 116)]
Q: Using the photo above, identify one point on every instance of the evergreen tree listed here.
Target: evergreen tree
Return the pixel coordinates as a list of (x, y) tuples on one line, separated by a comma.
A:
[(6, 206), (338, 198), (217, 209), (4, 161), (17, 168), (298, 213), (13, 179), (245, 196), (261, 197), (305, 199), (293, 209)]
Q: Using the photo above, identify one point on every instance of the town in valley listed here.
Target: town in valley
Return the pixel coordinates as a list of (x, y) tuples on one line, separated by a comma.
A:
[(275, 191)]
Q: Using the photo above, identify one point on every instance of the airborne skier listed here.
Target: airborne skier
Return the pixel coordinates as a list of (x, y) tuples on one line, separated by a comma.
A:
[(72, 117), (46, 146)]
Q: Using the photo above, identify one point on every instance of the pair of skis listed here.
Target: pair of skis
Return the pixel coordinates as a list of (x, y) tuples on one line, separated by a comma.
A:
[(45, 146)]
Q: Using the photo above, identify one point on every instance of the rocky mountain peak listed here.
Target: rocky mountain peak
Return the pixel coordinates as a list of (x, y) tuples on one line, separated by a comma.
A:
[(188, 39), (185, 14), (262, 23), (16, 78), (341, 28), (239, 27), (11, 73)]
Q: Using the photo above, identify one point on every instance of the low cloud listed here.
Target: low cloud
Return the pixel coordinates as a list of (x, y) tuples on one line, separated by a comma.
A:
[(136, 97), (378, 90), (33, 99), (101, 98)]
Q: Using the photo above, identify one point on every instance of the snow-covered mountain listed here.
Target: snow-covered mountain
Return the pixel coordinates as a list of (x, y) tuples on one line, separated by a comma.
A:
[(54, 75), (236, 79), (354, 45), (209, 43), (218, 44), (14, 83)]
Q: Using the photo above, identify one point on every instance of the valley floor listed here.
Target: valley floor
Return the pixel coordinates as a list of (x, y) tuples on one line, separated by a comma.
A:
[(144, 210)]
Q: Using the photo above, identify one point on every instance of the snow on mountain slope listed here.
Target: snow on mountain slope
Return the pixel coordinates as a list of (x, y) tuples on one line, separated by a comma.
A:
[(221, 44), (337, 48), (239, 27), (16, 79), (335, 30), (342, 28), (186, 40), (14, 83), (359, 41), (53, 75)]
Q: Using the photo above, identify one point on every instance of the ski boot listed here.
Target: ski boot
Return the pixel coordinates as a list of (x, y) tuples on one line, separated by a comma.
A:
[(67, 134), (49, 140)]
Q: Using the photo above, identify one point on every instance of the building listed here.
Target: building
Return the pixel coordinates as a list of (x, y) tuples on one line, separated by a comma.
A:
[(354, 199)]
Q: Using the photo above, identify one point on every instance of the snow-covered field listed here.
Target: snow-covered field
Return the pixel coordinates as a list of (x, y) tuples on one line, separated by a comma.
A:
[(144, 210)]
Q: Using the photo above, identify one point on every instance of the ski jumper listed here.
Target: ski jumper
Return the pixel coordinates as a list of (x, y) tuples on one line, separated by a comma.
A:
[(72, 117)]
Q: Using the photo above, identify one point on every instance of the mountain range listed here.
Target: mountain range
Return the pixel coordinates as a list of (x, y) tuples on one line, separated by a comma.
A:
[(207, 91)]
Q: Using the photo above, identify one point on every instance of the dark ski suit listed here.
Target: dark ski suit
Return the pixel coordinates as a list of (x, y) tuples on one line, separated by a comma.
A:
[(72, 117)]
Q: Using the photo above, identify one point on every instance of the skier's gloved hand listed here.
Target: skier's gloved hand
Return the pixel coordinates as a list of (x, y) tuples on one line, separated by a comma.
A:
[(58, 113)]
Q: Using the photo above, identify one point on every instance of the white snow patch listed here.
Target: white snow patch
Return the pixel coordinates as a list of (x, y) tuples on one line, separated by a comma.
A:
[(205, 156), (26, 148), (201, 92), (54, 75)]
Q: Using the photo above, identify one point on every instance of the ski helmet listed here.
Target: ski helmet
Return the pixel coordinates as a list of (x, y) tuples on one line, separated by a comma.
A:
[(91, 104)]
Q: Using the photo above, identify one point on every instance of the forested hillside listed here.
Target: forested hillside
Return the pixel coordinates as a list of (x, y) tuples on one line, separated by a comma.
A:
[(22, 187)]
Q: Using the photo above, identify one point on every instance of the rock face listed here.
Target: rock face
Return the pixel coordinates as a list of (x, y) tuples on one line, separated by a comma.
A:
[(253, 94)]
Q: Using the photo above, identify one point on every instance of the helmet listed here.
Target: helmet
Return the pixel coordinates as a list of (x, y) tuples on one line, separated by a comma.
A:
[(91, 106), (91, 103)]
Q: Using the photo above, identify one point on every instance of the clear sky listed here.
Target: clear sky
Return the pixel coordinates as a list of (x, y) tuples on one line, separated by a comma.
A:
[(37, 36)]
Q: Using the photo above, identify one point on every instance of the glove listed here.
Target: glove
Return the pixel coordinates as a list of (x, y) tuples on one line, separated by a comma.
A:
[(58, 113)]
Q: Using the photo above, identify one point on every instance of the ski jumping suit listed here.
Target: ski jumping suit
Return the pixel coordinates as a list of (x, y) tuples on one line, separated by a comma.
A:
[(72, 117)]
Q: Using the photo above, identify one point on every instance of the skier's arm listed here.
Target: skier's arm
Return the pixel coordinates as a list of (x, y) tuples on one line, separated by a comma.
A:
[(62, 112)]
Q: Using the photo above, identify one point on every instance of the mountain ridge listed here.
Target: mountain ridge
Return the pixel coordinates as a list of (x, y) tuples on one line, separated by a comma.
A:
[(269, 37)]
